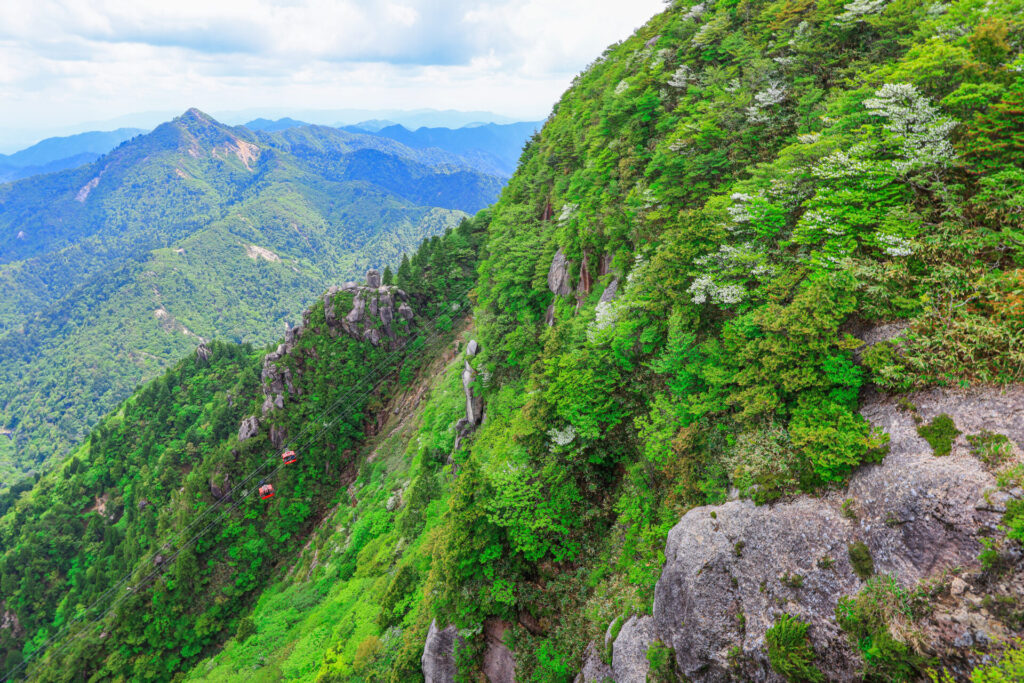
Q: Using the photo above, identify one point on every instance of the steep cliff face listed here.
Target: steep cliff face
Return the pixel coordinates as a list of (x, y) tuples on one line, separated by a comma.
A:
[(745, 236), (731, 570)]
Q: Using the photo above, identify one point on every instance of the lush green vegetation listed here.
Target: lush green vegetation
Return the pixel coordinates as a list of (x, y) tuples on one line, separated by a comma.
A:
[(879, 620), (754, 176), (194, 231), (131, 501), (789, 650), (751, 180)]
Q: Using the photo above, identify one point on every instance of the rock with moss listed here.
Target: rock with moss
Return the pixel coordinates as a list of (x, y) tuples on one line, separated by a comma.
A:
[(917, 516)]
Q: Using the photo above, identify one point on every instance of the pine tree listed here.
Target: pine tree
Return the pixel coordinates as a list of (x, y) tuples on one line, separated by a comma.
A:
[(404, 272), (388, 277)]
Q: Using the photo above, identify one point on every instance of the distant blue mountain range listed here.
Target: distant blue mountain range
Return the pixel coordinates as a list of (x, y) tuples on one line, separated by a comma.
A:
[(57, 154), (488, 147), (491, 148)]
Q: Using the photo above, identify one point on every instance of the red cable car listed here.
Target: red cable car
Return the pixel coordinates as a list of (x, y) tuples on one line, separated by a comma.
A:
[(289, 457), (266, 491)]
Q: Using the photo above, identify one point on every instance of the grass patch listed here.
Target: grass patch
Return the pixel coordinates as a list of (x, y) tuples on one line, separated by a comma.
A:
[(939, 433), (879, 621), (991, 448)]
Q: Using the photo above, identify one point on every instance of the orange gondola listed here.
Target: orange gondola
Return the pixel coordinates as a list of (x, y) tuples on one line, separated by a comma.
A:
[(289, 457), (266, 491)]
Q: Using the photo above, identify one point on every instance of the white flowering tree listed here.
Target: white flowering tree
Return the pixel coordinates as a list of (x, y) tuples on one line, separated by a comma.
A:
[(863, 198)]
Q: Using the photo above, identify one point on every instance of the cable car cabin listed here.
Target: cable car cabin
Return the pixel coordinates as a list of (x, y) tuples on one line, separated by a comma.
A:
[(289, 457), (266, 491)]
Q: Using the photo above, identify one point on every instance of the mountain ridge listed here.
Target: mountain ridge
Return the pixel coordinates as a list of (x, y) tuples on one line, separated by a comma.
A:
[(172, 219)]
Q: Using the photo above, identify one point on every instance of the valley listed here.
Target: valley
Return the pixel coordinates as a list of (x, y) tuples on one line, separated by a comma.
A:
[(724, 383)]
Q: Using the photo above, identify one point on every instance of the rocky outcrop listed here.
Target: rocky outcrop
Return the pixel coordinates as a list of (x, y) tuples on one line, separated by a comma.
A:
[(249, 428), (499, 665), (629, 653), (594, 669), (558, 274), (373, 280), (474, 403), (220, 486), (732, 569), (586, 283), (203, 351), (438, 660), (375, 308), (610, 291), (9, 621)]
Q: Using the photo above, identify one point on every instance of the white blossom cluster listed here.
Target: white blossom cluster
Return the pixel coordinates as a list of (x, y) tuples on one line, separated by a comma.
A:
[(682, 77), (738, 211), (561, 437), (841, 164), (660, 57), (774, 94), (894, 245), (705, 288), (622, 87), (650, 200), (732, 86), (922, 132), (858, 9), (701, 37), (606, 314), (568, 212), (800, 33), (694, 12), (808, 138), (821, 220)]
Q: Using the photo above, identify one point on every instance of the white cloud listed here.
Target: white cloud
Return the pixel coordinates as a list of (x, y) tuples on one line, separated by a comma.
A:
[(64, 62)]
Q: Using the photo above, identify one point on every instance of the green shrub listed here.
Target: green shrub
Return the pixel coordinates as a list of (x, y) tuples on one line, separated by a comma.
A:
[(662, 660), (860, 558), (790, 652), (246, 628), (792, 580), (879, 621), (939, 433)]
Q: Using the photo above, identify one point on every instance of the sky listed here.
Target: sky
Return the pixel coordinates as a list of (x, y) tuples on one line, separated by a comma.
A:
[(71, 65)]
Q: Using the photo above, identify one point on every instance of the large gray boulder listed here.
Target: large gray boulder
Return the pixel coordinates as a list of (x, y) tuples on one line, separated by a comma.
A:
[(558, 274), (629, 653), (249, 428), (373, 278), (499, 665), (438, 660), (918, 515)]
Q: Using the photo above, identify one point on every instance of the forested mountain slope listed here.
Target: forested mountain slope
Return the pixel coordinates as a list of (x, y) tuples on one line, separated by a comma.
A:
[(741, 399), (109, 544), (112, 271)]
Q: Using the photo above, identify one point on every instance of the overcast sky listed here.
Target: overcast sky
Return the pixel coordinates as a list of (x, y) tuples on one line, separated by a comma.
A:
[(67, 62)]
